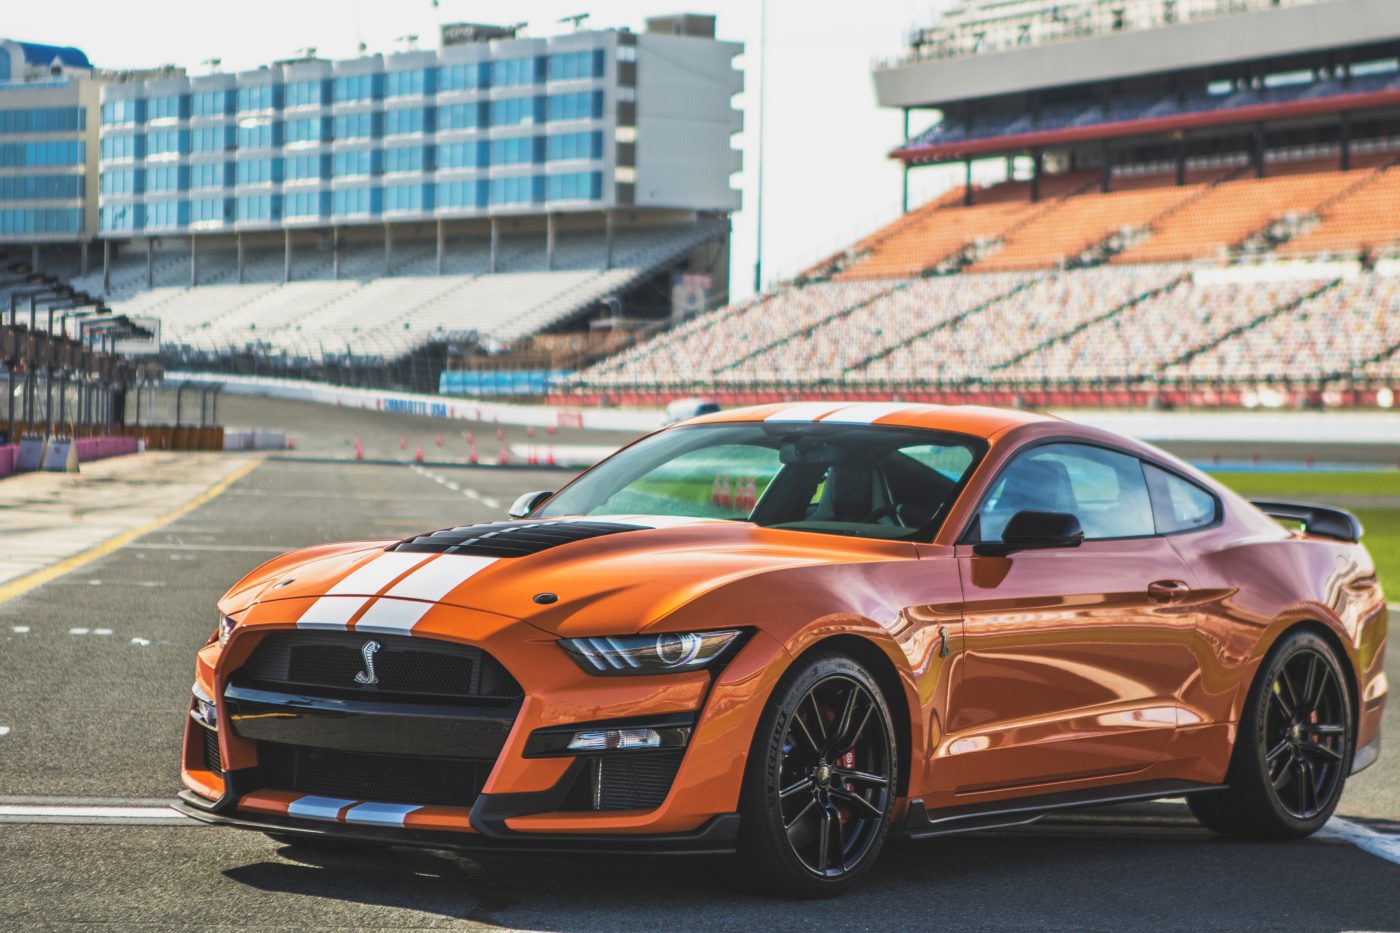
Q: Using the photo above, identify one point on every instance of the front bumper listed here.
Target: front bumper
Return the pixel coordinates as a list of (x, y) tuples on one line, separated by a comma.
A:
[(522, 802), (715, 837)]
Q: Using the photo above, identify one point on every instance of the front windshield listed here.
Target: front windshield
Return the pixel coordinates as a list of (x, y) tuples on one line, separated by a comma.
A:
[(851, 479)]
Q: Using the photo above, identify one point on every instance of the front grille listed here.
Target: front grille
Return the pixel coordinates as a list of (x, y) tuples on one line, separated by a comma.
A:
[(211, 749), (449, 782), (509, 539), (406, 667), (638, 781)]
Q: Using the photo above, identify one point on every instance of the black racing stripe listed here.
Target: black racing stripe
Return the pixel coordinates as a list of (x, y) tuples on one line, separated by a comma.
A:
[(509, 539)]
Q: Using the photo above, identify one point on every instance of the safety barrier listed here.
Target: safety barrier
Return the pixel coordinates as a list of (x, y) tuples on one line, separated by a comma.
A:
[(100, 448), (8, 454)]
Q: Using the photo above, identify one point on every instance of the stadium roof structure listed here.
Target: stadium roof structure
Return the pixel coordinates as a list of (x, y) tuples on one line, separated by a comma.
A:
[(36, 53)]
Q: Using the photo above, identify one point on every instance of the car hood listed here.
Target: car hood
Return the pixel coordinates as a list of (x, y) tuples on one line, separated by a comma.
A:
[(618, 579)]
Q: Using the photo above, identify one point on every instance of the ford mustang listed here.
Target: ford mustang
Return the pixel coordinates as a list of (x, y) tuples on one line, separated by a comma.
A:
[(783, 633)]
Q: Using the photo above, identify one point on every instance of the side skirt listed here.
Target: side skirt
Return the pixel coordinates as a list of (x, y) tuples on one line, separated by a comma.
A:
[(922, 823)]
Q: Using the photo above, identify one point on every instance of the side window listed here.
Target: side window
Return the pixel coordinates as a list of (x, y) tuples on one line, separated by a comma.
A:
[(1105, 490), (1178, 505)]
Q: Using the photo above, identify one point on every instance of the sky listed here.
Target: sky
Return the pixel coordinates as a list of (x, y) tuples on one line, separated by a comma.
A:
[(827, 176)]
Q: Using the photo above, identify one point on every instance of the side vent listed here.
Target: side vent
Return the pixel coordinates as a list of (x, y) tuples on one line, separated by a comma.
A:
[(510, 539)]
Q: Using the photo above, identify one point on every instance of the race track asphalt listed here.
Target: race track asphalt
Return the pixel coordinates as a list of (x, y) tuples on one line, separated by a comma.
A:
[(99, 716)]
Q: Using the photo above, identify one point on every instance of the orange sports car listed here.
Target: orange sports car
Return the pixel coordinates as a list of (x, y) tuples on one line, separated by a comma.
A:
[(786, 632)]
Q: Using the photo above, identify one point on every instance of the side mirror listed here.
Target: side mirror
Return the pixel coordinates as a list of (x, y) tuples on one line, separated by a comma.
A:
[(1029, 530), (528, 503)]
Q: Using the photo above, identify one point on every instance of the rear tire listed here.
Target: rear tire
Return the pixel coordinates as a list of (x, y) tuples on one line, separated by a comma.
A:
[(819, 785), (1294, 748)]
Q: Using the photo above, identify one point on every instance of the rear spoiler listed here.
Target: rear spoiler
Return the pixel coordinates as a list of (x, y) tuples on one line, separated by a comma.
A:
[(1320, 520)]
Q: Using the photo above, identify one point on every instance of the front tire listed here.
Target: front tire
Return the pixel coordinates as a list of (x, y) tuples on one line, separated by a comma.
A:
[(1294, 748), (819, 786)]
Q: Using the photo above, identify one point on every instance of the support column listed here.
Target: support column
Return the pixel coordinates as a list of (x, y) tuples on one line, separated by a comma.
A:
[(1346, 142), (106, 266), (83, 258), (286, 255), (34, 257), (441, 246), (194, 261), (904, 180), (609, 224), (967, 183), (335, 253), (1105, 167), (239, 239), (388, 248), (1037, 165), (549, 242), (150, 265), (1257, 156), (1181, 161), (495, 241)]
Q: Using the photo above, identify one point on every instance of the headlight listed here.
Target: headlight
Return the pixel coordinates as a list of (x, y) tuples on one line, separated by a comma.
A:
[(225, 628), (666, 653)]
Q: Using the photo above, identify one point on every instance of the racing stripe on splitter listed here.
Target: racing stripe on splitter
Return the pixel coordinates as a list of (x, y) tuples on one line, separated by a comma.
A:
[(319, 808), (380, 814)]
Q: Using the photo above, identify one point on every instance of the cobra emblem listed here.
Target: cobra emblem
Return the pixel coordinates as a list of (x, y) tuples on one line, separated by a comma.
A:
[(367, 677)]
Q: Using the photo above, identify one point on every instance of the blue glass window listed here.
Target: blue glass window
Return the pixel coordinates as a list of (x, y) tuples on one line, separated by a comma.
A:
[(305, 130), (254, 207), (168, 107), (41, 220), (309, 166), (583, 105), (356, 87), (209, 175), (119, 146), (261, 97), (461, 194), (354, 125), (461, 155), (514, 111), (167, 141), (520, 190), (121, 112), (507, 72), (209, 103), (407, 83), (207, 210), (408, 198), (306, 204), (354, 201), (459, 77), (403, 122), (257, 135), (517, 150), (167, 178), (565, 146), (258, 171), (353, 163), (211, 139), (122, 181), (575, 186), (42, 120), (567, 66), (305, 93), (458, 116), (122, 217), (46, 187), (404, 159), (165, 214)]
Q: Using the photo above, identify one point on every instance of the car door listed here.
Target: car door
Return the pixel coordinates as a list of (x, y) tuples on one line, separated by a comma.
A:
[(1073, 658)]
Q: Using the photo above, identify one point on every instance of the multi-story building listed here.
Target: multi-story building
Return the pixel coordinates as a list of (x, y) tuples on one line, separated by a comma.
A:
[(446, 143), (48, 149)]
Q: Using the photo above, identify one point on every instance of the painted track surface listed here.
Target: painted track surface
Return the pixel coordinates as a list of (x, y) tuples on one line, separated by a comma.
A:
[(99, 715)]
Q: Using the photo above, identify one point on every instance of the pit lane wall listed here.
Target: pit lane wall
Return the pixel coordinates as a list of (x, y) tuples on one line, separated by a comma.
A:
[(1233, 427)]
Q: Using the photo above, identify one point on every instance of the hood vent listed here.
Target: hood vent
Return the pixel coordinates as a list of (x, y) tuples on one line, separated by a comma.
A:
[(510, 539)]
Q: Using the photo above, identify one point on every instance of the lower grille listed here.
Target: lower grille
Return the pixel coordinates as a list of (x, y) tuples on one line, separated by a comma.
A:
[(211, 749), (448, 782), (637, 781)]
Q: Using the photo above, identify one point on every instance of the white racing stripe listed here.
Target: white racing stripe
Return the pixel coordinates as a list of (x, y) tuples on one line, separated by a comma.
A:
[(380, 814), (331, 612), (42, 813), (440, 576), (318, 808), (864, 412), (1382, 845), (393, 616), (372, 577), (803, 411)]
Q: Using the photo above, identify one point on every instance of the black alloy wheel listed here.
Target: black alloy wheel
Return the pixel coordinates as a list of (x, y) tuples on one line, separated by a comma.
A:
[(1294, 748), (821, 780)]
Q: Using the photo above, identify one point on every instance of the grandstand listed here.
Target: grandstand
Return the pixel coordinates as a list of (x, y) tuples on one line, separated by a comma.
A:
[(1197, 199)]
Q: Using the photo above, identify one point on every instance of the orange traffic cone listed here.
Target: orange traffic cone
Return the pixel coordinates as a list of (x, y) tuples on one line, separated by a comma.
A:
[(549, 457), (505, 455), (471, 453), (439, 440), (403, 442), (418, 453)]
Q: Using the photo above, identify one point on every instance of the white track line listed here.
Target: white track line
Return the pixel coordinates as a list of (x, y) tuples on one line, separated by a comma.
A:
[(161, 815), (488, 501), (1382, 845)]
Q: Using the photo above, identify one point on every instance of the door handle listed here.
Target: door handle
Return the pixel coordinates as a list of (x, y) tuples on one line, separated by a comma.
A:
[(1167, 591)]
